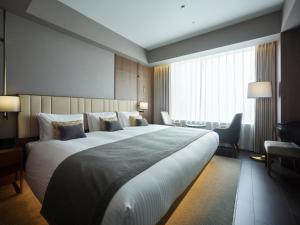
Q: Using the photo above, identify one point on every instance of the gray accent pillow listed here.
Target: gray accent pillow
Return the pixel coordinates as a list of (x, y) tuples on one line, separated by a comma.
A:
[(113, 125), (71, 132), (141, 122)]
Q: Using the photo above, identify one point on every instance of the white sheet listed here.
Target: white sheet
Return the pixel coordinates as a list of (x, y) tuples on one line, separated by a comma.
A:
[(143, 200)]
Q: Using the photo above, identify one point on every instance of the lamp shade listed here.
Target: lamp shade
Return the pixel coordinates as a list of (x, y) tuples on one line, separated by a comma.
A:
[(143, 105), (9, 104), (260, 90)]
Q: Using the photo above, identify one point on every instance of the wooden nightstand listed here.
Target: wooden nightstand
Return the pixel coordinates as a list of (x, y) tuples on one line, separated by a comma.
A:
[(11, 167)]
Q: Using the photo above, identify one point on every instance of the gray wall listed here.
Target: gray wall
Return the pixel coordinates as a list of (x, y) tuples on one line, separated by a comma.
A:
[(60, 17), (290, 15), (266, 25), (43, 61), (1, 50), (71, 21), (286, 10)]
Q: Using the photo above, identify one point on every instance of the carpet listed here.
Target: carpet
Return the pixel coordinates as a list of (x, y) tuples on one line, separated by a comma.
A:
[(210, 201)]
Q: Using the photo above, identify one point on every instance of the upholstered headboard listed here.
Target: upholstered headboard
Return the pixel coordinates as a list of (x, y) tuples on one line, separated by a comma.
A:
[(31, 105)]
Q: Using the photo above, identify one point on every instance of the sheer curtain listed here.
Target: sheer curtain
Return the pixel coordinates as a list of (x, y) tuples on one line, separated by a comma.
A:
[(212, 89)]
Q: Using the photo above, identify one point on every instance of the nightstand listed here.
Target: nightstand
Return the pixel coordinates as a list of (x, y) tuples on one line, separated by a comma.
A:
[(11, 167)]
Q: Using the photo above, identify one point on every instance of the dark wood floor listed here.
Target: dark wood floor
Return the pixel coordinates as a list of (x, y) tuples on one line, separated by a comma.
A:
[(264, 200)]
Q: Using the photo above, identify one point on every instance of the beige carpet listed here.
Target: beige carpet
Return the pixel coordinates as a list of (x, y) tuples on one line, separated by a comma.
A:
[(210, 201)]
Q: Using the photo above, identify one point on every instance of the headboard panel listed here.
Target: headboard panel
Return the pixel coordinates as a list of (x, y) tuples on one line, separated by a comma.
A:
[(31, 105)]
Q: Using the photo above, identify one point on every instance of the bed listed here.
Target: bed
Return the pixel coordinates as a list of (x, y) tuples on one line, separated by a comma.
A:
[(145, 198)]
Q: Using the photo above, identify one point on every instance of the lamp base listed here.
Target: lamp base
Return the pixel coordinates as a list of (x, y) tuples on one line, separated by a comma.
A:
[(260, 158), (4, 116)]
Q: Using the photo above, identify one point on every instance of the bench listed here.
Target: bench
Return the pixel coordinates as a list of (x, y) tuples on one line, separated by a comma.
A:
[(281, 149)]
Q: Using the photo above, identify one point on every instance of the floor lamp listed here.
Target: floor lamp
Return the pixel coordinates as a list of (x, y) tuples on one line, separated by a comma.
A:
[(259, 90)]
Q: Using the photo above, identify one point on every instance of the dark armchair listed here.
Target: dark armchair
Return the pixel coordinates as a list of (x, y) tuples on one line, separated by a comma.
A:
[(231, 135)]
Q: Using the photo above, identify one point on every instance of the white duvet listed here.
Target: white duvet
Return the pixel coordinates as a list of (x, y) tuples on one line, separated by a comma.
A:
[(143, 200)]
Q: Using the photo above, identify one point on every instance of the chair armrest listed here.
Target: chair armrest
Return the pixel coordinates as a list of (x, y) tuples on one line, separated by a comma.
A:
[(224, 134), (220, 130)]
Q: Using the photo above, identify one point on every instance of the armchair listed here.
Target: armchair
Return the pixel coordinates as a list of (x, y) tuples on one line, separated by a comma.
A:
[(166, 119), (231, 135)]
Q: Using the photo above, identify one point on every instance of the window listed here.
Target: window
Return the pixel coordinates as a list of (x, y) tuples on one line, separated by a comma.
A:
[(213, 88)]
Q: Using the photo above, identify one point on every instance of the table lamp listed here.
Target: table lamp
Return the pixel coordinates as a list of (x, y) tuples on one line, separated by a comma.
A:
[(9, 104), (142, 106)]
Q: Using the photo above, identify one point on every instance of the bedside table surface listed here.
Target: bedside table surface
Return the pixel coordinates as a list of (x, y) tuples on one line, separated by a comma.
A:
[(4, 150)]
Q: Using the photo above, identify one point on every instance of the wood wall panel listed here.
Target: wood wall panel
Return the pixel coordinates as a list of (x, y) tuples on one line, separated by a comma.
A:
[(145, 89), (134, 81), (125, 79), (290, 75)]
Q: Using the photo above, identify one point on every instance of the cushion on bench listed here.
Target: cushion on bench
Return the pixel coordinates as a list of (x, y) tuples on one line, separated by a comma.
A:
[(289, 149)]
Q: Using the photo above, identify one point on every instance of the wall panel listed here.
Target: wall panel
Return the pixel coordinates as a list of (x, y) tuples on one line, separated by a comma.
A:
[(290, 75), (125, 78), (134, 81), (145, 89)]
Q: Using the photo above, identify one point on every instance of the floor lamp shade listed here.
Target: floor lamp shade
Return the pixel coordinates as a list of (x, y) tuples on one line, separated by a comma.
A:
[(9, 104), (260, 89)]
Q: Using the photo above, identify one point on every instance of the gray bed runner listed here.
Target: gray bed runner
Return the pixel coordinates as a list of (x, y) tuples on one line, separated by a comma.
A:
[(82, 186)]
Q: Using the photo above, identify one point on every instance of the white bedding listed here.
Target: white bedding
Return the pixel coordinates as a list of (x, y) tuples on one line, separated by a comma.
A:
[(143, 200)]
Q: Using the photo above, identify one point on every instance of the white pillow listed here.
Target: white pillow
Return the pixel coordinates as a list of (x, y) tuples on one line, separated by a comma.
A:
[(45, 123), (94, 119), (124, 117)]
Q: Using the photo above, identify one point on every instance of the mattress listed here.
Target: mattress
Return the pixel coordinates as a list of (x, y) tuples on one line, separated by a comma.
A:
[(146, 198)]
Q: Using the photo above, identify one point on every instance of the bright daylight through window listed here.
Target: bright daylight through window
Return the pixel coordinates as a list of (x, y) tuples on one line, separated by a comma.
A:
[(213, 88)]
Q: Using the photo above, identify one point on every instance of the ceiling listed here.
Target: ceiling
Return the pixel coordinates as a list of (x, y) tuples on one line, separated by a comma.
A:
[(154, 23)]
